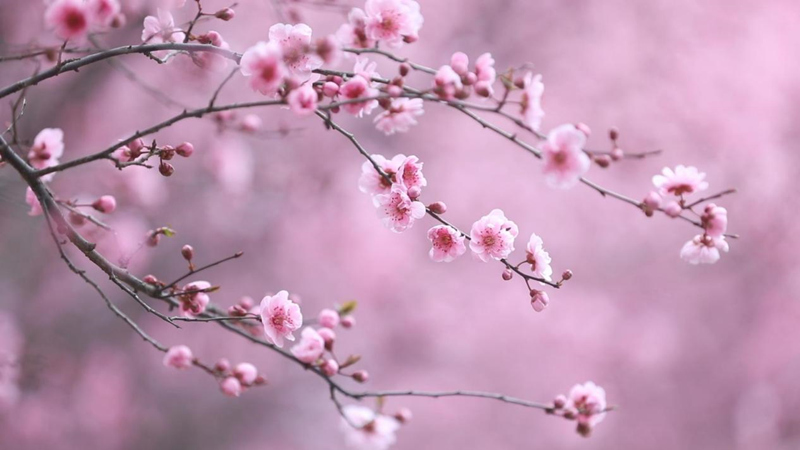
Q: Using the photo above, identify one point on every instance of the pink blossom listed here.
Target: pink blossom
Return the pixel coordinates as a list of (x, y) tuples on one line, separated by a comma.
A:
[(330, 367), (327, 335), (531, 104), (105, 204), (704, 249), (366, 430), (246, 373), (311, 346), (355, 88), (715, 220), (102, 12), (329, 49), (673, 209), (682, 180), (366, 68), (486, 74), (33, 202), (263, 65), (328, 318), (538, 258), (446, 83), (564, 159), (459, 62), (179, 357), (589, 400), (194, 303), (539, 300), (397, 210), (400, 116), (161, 29), (280, 317), (390, 21), (47, 147), (68, 18), (493, 236), (231, 387), (371, 182), (173, 4), (447, 243), (295, 44), (354, 33), (409, 174), (303, 100)]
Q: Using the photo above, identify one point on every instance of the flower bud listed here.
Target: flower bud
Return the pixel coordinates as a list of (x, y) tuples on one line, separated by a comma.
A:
[(188, 252), (403, 415), (136, 146), (483, 89), (404, 69), (414, 192), (584, 429), (584, 128), (231, 387), (394, 91), (539, 300), (225, 14), (330, 89), (507, 274), (438, 207), (185, 149), (566, 275), (222, 366), (105, 204), (602, 160), (361, 376), (167, 152), (673, 209), (348, 321), (652, 201), (328, 336), (150, 279), (152, 239), (328, 318), (559, 402), (330, 367), (613, 133), (118, 21), (246, 373), (617, 154), (460, 63), (179, 357), (166, 169)]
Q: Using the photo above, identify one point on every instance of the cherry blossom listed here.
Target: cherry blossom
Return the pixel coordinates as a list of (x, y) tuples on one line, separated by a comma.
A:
[(704, 249), (397, 210), (683, 180), (564, 159), (69, 19), (263, 65), (715, 220), (400, 116), (303, 100), (486, 75), (33, 202), (246, 373), (409, 174), (447, 243), (311, 346), (209, 60), (538, 258), (366, 68), (280, 317), (161, 29), (493, 236), (354, 33), (194, 303), (231, 386), (356, 88), (47, 147), (371, 182), (531, 105), (179, 357), (328, 318), (392, 21), (366, 430), (446, 83), (102, 12), (173, 4), (295, 44), (588, 400)]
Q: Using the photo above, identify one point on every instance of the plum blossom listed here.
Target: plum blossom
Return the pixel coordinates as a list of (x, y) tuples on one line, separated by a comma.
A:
[(400, 116), (371, 182), (397, 210), (564, 159), (538, 258), (392, 21), (588, 400), (194, 303), (539, 300), (47, 147), (715, 220), (246, 373), (161, 29), (102, 12), (263, 65), (704, 249), (69, 19), (446, 83), (353, 34), (310, 347), (409, 174), (531, 105), (303, 100), (328, 318), (356, 88), (179, 357), (366, 430), (447, 243), (493, 236), (366, 68), (280, 317), (295, 44), (231, 386), (486, 74), (682, 180), (33, 202)]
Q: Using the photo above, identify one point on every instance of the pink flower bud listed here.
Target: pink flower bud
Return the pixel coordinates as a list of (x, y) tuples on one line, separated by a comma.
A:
[(328, 336), (617, 154), (460, 63), (566, 275), (602, 160), (260, 381), (584, 128), (519, 82), (119, 20), (584, 429), (179, 357), (246, 303), (403, 415), (560, 401), (231, 387), (404, 69), (414, 192), (507, 274), (105, 204), (361, 376), (410, 39), (188, 252), (186, 149), (251, 123), (136, 146), (328, 318), (613, 133), (483, 89), (166, 169), (394, 91), (167, 152), (673, 209), (330, 367), (150, 279), (348, 321), (225, 14), (539, 300), (652, 201), (330, 89), (237, 311), (471, 79), (438, 207), (246, 373), (222, 366)]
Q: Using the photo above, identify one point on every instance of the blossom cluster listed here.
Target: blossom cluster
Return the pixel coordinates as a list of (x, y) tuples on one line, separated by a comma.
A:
[(586, 404)]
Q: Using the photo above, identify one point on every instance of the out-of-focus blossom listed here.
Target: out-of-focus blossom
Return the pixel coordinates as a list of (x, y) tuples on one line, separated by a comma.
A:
[(310, 347), (69, 19), (588, 400), (355, 88), (194, 303), (446, 83), (209, 60), (538, 258), (486, 75), (280, 317), (102, 12), (681, 181), (366, 430), (493, 236), (393, 21), (263, 65), (328, 318), (161, 29), (539, 300), (397, 210), (48, 146), (366, 68), (246, 373), (447, 243), (531, 105), (564, 159), (173, 4), (179, 357), (33, 202), (371, 182), (704, 249), (231, 386), (303, 100), (295, 44), (329, 367), (715, 220), (353, 34), (400, 116)]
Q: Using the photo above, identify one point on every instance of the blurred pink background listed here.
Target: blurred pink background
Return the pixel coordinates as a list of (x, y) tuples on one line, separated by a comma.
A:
[(695, 357)]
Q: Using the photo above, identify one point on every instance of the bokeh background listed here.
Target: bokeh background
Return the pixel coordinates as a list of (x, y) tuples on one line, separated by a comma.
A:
[(695, 357)]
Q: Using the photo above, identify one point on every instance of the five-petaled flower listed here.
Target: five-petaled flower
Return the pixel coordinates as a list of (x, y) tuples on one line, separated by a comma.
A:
[(280, 317), (493, 236)]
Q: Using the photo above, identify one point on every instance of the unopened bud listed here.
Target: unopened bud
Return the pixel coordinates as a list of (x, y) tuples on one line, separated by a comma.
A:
[(673, 209), (602, 160), (225, 14), (414, 192), (330, 367), (613, 133), (167, 152), (185, 149), (507, 274), (584, 128), (617, 154), (188, 252), (404, 69), (348, 321), (330, 89), (438, 207), (166, 169), (559, 402), (361, 376), (222, 366), (403, 415), (150, 279), (394, 91), (105, 204), (118, 21), (566, 275)]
